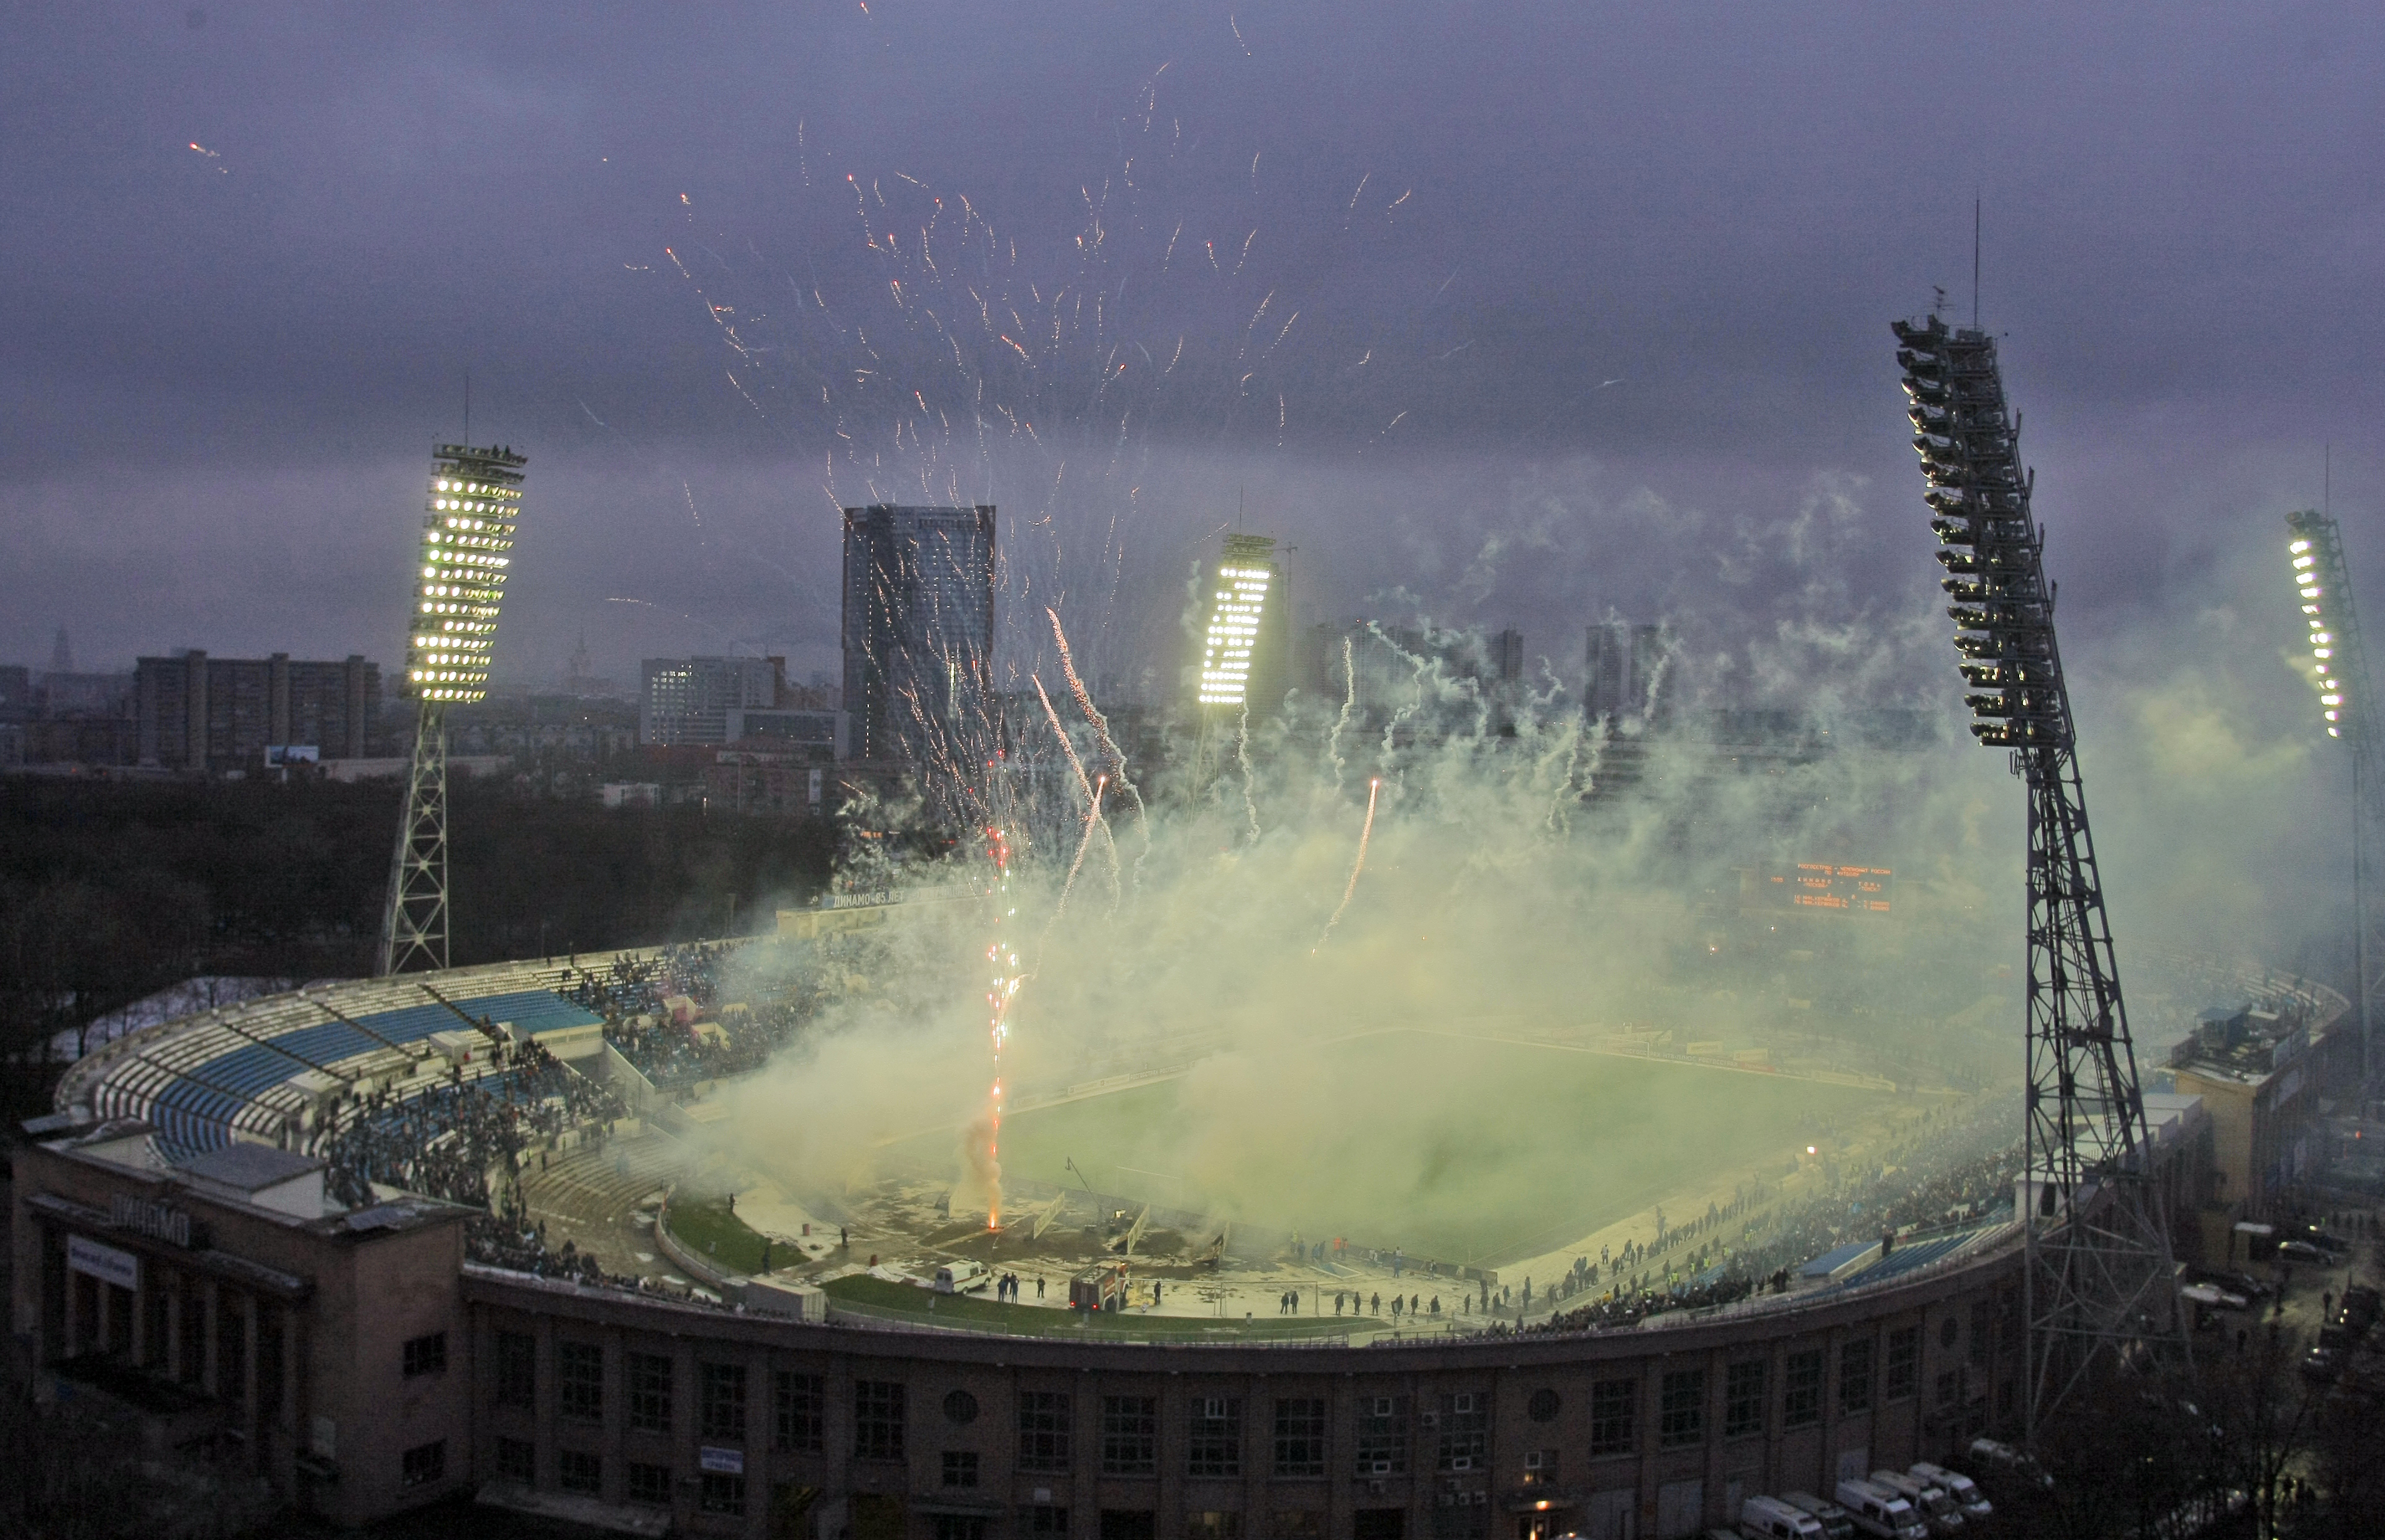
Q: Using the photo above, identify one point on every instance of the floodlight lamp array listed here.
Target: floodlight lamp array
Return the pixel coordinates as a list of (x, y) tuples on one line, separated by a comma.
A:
[(2316, 554), (467, 539), (1977, 497), (1240, 601)]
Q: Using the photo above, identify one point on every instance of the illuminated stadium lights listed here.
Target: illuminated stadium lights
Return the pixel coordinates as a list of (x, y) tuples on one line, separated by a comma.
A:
[(2100, 1278), (1240, 603), (467, 539), (2339, 673), (475, 499), (2338, 666)]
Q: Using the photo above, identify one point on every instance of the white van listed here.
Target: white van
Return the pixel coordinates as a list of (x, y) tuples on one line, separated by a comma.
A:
[(1932, 1504), (1877, 1510), (1962, 1488), (962, 1278), (1774, 1520), (1835, 1522)]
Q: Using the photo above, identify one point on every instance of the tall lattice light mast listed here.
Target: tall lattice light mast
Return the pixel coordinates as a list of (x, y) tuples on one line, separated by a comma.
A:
[(2340, 669), (2099, 1281), (468, 540)]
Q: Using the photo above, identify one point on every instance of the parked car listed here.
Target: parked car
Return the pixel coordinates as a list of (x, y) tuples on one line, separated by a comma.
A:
[(2229, 1281), (2299, 1251), (1996, 1454)]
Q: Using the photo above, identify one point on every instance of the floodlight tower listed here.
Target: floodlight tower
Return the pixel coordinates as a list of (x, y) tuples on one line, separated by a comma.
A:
[(2340, 669), (468, 540), (2099, 1280)]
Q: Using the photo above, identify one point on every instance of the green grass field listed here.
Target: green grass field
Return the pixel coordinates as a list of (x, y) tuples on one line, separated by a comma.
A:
[(1455, 1148)]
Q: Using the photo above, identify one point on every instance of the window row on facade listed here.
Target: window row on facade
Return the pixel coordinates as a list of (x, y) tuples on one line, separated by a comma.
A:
[(1284, 1437)]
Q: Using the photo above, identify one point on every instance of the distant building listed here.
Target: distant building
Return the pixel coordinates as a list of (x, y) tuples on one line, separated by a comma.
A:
[(2254, 1069), (810, 732), (1508, 656), (1619, 670), (687, 700), (918, 640), (60, 695), (16, 687), (579, 679), (198, 713)]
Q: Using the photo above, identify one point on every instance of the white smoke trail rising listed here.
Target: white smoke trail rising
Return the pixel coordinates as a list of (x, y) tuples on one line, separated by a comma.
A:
[(1349, 701), (1243, 752), (1365, 832)]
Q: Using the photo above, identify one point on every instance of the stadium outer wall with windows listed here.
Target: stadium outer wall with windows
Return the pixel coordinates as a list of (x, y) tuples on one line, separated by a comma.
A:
[(171, 1259)]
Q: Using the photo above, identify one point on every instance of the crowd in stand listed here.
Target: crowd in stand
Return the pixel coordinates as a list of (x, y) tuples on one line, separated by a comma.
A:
[(633, 995), (1938, 1176), (444, 1141)]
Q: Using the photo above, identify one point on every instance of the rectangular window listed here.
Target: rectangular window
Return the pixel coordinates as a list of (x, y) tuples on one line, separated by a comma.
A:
[(1611, 1405), (803, 1413), (960, 1468), (423, 1464), (1464, 1431), (1296, 1523), (1978, 1346), (425, 1355), (517, 1369), (723, 1493), (1742, 1400), (1383, 1436), (1215, 1444), (1681, 1411), (1043, 1523), (723, 1403), (1801, 1403), (517, 1459), (580, 1382), (1130, 1435), (1300, 1437), (1903, 1362), (1950, 1387), (649, 1485), (1539, 1467), (1213, 1526), (960, 1527), (1044, 1433), (650, 1391), (578, 1470), (1855, 1375), (877, 1419)]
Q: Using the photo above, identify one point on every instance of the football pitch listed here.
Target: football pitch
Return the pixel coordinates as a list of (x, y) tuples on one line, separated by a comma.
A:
[(1456, 1149)]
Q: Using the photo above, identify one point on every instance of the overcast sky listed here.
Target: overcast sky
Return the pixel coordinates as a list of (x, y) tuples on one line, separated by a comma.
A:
[(1512, 315)]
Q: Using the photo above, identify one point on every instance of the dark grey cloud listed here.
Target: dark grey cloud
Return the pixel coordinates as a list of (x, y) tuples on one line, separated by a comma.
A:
[(1644, 253)]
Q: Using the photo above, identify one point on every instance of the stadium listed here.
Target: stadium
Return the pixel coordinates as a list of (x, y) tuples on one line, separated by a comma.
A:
[(1572, 1187), (302, 1201)]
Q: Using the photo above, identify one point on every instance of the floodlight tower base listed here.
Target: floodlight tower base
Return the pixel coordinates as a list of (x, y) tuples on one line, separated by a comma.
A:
[(414, 923)]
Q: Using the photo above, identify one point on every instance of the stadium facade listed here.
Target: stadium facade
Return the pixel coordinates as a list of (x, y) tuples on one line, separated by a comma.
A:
[(177, 1255)]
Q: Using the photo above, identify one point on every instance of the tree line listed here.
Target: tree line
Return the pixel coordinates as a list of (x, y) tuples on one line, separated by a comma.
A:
[(113, 891)]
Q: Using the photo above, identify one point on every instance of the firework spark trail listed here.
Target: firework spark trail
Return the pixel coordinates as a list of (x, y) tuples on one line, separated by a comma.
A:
[(1092, 791), (1113, 757), (1003, 960), (1365, 832)]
